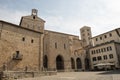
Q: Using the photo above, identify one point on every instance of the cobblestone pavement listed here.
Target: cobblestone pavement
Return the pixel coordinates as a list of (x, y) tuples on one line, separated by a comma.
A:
[(80, 76)]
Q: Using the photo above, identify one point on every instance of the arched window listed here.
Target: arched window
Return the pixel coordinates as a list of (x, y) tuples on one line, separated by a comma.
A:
[(59, 63), (87, 64), (45, 61), (78, 63), (72, 63)]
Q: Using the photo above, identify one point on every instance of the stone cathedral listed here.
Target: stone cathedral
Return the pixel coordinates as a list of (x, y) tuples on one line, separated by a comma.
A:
[(28, 46), (28, 50)]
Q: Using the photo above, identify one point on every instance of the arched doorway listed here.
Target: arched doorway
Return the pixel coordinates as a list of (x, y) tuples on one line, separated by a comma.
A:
[(45, 61), (87, 65), (72, 63), (78, 63), (59, 63)]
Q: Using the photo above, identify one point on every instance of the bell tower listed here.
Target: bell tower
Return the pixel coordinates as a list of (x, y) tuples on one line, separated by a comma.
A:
[(34, 12), (86, 35), (33, 22)]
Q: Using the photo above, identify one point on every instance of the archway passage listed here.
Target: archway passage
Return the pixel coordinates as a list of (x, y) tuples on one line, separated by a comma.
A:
[(87, 64), (72, 63), (45, 61), (79, 63), (59, 63)]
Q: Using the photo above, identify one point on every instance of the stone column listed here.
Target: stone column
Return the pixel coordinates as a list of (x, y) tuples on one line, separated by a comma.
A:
[(41, 52), (75, 63)]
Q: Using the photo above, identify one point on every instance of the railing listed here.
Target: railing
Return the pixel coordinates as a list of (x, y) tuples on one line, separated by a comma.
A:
[(17, 56)]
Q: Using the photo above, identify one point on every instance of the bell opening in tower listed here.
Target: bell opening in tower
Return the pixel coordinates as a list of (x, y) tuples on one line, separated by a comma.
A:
[(34, 12)]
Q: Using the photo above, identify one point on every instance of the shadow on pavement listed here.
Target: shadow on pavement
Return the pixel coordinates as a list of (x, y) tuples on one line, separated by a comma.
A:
[(109, 72)]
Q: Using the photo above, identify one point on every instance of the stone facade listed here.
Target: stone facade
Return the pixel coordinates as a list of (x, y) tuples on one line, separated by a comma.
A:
[(19, 42), (86, 35), (105, 49), (59, 44), (29, 47)]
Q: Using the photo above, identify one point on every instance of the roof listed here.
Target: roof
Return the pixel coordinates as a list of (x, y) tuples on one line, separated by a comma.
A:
[(31, 17), (15, 25), (105, 33), (85, 27), (62, 33)]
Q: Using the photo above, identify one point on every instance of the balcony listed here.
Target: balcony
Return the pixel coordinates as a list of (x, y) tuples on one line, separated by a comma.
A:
[(17, 56)]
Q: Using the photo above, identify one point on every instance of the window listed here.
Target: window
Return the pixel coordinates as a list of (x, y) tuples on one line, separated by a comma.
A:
[(104, 49), (94, 58), (105, 57), (99, 58), (23, 39), (96, 51), (110, 35), (64, 46), (82, 30), (110, 48), (33, 17), (17, 56), (105, 36), (100, 38), (111, 56), (107, 48), (92, 52), (96, 39), (32, 41), (83, 34), (17, 53), (56, 45)]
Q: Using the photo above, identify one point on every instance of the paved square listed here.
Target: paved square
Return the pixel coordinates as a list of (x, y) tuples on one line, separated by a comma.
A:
[(101, 75)]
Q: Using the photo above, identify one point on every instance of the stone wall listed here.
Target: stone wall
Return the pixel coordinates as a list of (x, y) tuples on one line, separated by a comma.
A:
[(56, 44), (13, 75), (16, 39), (103, 51)]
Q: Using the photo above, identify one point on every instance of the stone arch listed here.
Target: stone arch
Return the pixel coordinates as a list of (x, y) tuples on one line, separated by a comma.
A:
[(59, 62), (78, 63), (45, 61), (72, 63), (87, 64)]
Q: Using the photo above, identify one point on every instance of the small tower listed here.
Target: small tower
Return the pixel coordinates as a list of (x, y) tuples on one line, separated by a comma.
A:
[(86, 35), (34, 12), (33, 22)]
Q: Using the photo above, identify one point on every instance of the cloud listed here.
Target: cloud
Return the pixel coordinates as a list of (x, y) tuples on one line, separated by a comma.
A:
[(70, 16), (60, 24), (12, 16)]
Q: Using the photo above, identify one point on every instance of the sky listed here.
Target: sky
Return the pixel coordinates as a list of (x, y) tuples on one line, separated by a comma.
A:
[(66, 16)]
